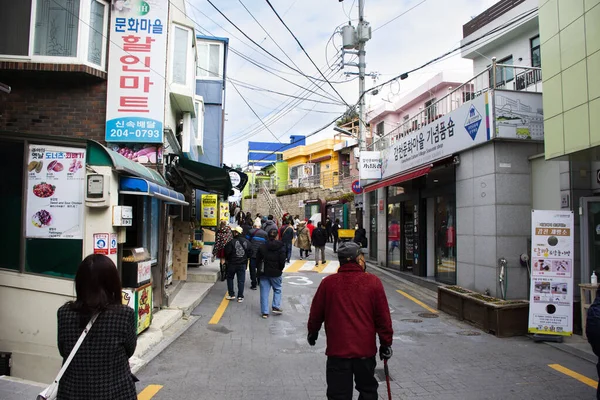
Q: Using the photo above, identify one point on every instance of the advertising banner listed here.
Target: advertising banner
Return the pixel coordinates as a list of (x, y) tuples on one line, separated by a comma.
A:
[(224, 211), (137, 59), (519, 115), (551, 298), (463, 128), (209, 210), (370, 165), (55, 192), (101, 243)]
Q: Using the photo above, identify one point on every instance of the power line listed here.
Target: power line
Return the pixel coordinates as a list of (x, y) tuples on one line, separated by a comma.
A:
[(398, 16), (254, 112), (305, 52)]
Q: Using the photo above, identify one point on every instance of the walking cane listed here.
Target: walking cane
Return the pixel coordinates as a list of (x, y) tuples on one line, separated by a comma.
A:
[(387, 378)]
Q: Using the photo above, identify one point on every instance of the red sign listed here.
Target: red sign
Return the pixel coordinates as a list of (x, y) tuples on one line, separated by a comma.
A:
[(356, 188), (381, 205)]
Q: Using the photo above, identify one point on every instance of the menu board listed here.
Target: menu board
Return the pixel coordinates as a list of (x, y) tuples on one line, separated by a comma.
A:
[(209, 210), (551, 298), (55, 192), (409, 238)]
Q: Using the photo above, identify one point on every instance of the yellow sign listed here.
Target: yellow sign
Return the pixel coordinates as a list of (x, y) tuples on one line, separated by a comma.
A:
[(224, 211), (209, 210)]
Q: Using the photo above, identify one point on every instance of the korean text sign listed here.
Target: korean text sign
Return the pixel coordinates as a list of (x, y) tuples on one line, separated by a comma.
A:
[(551, 298), (465, 127), (209, 210), (136, 72), (55, 192), (370, 165)]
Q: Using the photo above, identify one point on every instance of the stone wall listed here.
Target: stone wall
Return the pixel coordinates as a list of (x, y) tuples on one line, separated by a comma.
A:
[(294, 204)]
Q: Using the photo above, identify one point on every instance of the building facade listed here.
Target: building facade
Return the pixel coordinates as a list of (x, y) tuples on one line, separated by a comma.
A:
[(262, 154), (98, 119), (455, 194)]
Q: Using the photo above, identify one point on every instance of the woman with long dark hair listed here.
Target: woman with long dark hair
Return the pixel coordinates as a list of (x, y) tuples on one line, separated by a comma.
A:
[(100, 368)]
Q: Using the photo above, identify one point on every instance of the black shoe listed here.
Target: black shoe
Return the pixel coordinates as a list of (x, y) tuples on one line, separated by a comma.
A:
[(323, 262), (277, 310), (253, 287)]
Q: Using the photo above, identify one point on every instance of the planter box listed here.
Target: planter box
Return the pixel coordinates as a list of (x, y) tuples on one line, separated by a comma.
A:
[(498, 317)]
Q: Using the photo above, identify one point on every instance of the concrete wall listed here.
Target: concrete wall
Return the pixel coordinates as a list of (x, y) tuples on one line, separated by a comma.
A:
[(493, 214)]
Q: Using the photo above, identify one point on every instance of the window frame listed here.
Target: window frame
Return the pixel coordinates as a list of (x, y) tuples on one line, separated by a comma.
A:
[(219, 77), (532, 48), (190, 56), (83, 35)]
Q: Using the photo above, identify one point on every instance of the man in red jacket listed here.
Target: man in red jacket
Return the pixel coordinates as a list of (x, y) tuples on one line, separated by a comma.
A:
[(354, 308)]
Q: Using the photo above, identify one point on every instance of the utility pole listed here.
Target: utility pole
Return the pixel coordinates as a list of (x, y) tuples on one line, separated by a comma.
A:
[(362, 137)]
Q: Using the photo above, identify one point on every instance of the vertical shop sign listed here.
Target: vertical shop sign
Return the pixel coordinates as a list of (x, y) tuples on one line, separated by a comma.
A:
[(135, 105), (415, 234), (370, 165), (209, 210), (551, 299), (101, 243), (55, 192), (224, 211)]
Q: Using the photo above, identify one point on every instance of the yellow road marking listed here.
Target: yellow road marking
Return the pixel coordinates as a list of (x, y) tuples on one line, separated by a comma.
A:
[(295, 266), (419, 302), (574, 375), (219, 313), (149, 392), (320, 267)]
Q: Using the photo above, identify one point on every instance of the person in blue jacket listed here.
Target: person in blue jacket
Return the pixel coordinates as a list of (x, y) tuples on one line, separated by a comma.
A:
[(592, 331), (257, 238)]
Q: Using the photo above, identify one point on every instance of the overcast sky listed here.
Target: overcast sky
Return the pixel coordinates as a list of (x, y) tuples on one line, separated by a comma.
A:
[(429, 30)]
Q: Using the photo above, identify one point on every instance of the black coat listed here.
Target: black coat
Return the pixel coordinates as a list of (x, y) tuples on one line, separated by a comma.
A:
[(100, 369), (271, 258), (319, 237), (238, 251), (360, 237), (592, 325)]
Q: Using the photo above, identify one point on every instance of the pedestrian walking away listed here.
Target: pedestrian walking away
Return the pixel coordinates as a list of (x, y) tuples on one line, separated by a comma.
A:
[(270, 225), (237, 253), (223, 236), (256, 237), (592, 331), (303, 239), (334, 231), (100, 368), (271, 262), (354, 308), (319, 239), (360, 236), (286, 233)]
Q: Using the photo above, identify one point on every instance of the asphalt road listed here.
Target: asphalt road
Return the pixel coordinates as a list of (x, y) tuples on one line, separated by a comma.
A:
[(435, 357)]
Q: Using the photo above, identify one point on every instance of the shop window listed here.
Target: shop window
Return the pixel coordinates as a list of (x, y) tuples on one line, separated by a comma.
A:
[(536, 53), (10, 204)]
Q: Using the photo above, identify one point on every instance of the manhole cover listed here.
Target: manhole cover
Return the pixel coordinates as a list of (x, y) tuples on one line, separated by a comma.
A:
[(428, 315), (468, 333), (415, 321), (380, 375)]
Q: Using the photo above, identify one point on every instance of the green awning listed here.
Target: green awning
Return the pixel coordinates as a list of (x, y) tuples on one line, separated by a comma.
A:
[(204, 177), (102, 156)]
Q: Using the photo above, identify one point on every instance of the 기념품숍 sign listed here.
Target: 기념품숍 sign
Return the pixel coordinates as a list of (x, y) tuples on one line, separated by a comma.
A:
[(551, 298), (55, 192), (135, 105)]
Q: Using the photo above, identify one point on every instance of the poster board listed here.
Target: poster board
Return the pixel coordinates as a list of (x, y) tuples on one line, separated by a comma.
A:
[(551, 293), (208, 204), (224, 211)]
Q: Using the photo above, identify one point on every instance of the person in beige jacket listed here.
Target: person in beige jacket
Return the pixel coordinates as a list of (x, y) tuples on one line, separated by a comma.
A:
[(303, 240)]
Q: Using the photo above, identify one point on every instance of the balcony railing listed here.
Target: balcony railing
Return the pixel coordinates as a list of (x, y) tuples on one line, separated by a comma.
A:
[(325, 180), (496, 76)]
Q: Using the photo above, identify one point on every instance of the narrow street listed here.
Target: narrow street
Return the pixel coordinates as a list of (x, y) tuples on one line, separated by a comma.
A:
[(243, 356)]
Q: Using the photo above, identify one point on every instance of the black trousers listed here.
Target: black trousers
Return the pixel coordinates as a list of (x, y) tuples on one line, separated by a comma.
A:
[(341, 372)]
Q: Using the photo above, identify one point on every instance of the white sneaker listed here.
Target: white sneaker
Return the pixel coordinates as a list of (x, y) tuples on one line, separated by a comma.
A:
[(240, 299), (230, 297)]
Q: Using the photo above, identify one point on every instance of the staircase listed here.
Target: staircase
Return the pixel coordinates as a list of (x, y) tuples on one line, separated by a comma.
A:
[(272, 201)]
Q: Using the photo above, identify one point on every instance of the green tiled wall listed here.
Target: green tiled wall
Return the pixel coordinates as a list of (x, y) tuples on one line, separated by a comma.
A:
[(570, 37)]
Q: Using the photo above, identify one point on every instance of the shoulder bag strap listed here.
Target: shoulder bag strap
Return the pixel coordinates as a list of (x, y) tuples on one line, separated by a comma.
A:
[(75, 348)]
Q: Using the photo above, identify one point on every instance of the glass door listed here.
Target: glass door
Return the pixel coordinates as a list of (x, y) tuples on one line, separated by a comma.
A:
[(373, 224), (393, 235), (590, 237), (445, 239)]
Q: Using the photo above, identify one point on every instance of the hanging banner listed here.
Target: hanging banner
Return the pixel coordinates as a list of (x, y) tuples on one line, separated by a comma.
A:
[(224, 211), (370, 165), (55, 192), (209, 210), (137, 59), (551, 298)]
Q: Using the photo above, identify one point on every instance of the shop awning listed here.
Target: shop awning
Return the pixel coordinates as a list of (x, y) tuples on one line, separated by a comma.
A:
[(204, 177), (394, 180), (142, 187)]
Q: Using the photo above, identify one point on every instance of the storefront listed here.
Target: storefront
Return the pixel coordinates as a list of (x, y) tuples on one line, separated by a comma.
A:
[(336, 210)]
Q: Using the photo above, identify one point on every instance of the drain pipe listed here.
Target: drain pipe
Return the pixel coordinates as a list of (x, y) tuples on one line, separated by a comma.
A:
[(503, 277)]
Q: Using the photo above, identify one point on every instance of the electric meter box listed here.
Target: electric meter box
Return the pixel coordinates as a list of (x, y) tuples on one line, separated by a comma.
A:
[(364, 32), (96, 190), (122, 216)]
